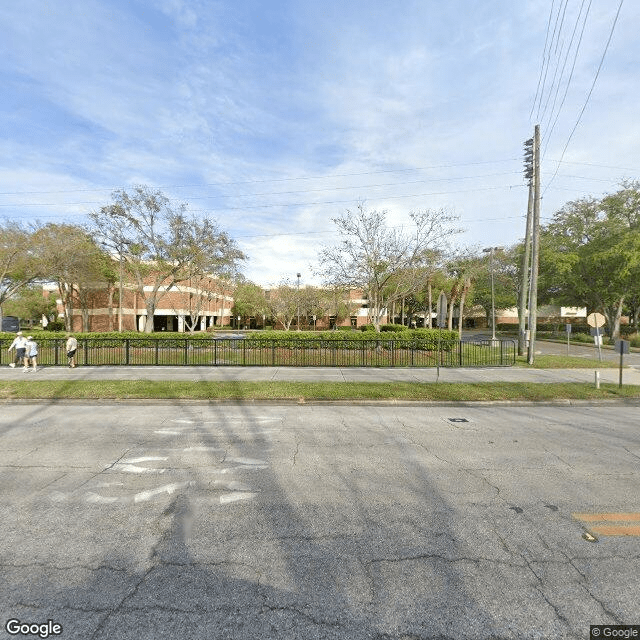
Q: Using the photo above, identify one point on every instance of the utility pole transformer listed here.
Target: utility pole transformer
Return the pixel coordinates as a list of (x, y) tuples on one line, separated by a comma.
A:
[(535, 249)]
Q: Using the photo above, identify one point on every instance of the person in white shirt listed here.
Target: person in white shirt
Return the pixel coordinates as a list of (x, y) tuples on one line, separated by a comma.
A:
[(32, 354), (20, 345), (72, 346)]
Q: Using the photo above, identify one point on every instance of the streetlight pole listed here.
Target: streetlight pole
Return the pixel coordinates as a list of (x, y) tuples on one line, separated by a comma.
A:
[(490, 251), (298, 300)]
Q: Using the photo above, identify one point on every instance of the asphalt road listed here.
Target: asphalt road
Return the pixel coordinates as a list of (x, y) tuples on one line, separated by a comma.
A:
[(586, 351), (164, 520)]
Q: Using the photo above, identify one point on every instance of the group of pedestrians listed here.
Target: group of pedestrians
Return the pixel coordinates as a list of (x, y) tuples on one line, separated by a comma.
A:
[(27, 352)]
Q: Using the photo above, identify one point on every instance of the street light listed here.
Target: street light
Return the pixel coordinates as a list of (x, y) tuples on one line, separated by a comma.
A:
[(298, 297), (490, 251)]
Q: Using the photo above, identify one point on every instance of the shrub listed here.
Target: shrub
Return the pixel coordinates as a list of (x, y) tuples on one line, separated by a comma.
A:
[(55, 326), (393, 327)]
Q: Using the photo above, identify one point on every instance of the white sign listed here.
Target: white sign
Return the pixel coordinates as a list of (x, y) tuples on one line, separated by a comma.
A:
[(596, 320)]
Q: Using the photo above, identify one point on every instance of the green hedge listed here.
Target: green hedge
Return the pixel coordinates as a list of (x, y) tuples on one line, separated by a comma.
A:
[(426, 338)]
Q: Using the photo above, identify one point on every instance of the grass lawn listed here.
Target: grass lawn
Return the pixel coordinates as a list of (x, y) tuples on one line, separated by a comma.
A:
[(308, 391), (566, 362)]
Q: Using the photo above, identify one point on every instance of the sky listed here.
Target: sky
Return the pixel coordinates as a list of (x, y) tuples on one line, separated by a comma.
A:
[(275, 117)]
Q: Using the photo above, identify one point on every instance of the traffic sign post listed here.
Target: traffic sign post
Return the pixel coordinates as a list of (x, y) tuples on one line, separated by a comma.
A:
[(622, 347), (441, 322), (568, 329), (597, 320)]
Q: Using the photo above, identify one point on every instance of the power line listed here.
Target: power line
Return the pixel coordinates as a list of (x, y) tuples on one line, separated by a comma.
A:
[(271, 180), (68, 204), (593, 84), (547, 62), (557, 65), (544, 51), (573, 66)]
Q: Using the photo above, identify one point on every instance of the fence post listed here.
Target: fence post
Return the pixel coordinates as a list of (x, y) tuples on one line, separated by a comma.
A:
[(244, 354), (126, 351), (157, 351), (459, 353), (186, 351), (56, 347), (215, 351)]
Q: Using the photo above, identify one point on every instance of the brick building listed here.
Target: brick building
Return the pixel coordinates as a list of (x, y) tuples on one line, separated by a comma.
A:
[(207, 304)]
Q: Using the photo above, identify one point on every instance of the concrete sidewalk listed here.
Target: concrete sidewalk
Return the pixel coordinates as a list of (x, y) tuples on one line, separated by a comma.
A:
[(321, 374)]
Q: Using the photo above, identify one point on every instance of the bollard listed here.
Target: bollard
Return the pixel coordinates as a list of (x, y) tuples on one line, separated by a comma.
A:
[(597, 379)]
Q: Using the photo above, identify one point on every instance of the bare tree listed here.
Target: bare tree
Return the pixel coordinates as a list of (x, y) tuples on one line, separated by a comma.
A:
[(379, 259), (160, 246), (283, 303)]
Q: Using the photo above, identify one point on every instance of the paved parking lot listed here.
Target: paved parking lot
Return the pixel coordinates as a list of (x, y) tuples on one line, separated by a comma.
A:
[(213, 521)]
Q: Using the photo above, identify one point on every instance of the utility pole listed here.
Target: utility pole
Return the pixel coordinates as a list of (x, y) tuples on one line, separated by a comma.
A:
[(298, 275), (526, 255), (535, 249), (490, 251)]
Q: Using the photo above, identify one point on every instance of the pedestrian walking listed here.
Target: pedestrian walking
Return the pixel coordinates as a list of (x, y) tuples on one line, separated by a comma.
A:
[(72, 346), (32, 354), (20, 345)]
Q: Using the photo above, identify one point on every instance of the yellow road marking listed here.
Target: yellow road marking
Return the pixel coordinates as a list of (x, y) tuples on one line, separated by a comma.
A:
[(616, 530), (607, 517), (623, 524)]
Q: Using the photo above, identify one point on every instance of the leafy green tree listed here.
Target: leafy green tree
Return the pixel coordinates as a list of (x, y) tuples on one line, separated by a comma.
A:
[(71, 258), (249, 300), (505, 281), (30, 304), (19, 260), (590, 254)]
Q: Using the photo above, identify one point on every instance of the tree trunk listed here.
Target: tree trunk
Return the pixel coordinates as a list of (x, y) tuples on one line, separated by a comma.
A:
[(454, 295), (150, 306), (463, 297), (110, 291), (430, 298), (613, 314)]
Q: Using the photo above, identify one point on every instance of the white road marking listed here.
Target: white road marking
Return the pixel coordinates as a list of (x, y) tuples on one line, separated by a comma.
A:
[(168, 432), (252, 462), (236, 497), (131, 468), (143, 459), (234, 485), (98, 499), (143, 496)]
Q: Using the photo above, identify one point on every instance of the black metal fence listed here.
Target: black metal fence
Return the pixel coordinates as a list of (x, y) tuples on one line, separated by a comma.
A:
[(274, 352)]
